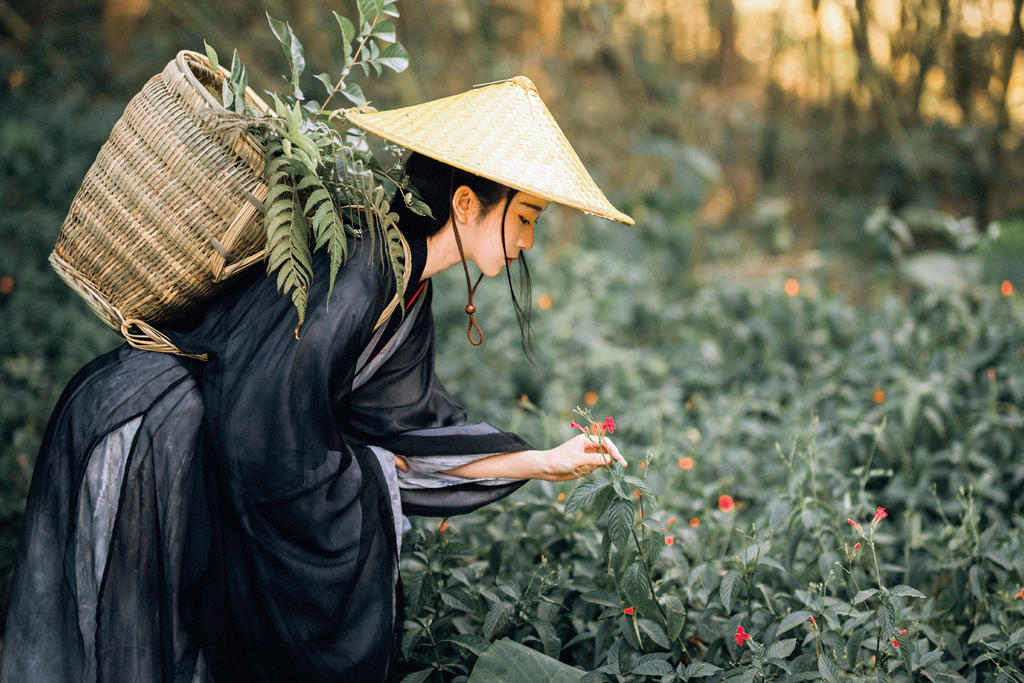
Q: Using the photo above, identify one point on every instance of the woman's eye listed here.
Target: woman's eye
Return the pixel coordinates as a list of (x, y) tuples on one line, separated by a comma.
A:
[(524, 221)]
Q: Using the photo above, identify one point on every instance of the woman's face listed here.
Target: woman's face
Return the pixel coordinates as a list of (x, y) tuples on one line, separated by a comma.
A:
[(520, 220)]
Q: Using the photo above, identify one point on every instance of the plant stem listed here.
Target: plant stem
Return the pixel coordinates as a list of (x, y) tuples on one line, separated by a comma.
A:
[(348, 69)]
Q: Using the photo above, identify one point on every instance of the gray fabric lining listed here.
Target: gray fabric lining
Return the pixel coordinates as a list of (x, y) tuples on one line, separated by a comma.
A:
[(97, 511)]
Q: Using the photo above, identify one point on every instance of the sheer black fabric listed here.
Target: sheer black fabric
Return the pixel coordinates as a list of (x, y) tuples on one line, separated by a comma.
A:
[(228, 521)]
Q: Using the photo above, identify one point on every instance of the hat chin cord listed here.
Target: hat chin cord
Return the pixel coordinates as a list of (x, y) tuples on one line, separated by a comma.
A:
[(470, 306)]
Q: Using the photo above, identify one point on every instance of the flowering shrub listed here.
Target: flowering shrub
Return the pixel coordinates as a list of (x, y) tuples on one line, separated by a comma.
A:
[(761, 420)]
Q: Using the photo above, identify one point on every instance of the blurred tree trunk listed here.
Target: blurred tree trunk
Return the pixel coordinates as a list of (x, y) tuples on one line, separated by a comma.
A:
[(722, 17), (547, 16), (120, 22), (932, 36), (881, 95), (1014, 42)]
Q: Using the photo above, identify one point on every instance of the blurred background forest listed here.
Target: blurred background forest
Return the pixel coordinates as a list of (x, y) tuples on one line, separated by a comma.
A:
[(855, 147)]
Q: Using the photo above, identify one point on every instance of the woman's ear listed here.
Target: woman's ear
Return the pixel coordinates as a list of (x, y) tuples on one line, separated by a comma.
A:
[(465, 204)]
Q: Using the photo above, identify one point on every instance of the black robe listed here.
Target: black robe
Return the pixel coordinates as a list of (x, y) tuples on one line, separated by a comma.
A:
[(231, 520)]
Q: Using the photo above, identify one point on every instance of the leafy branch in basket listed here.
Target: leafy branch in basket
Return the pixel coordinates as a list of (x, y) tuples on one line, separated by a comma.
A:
[(325, 184)]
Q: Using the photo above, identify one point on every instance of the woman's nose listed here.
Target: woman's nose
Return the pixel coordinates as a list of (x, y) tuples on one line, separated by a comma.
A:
[(526, 239)]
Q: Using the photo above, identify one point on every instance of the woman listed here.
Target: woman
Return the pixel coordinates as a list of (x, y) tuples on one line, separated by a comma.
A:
[(241, 519)]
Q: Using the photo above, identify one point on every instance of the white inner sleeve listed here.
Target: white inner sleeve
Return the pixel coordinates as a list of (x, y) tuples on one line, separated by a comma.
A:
[(428, 472)]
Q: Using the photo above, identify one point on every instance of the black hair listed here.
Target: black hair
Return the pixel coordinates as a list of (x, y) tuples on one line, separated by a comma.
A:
[(435, 181)]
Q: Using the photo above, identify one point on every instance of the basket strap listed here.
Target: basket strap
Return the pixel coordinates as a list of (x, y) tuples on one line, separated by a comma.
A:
[(142, 335)]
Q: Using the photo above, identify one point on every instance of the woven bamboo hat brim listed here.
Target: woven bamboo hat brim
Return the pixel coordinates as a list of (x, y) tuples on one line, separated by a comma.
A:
[(502, 132)]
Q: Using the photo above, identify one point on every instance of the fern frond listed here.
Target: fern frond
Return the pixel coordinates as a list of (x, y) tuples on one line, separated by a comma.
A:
[(287, 230)]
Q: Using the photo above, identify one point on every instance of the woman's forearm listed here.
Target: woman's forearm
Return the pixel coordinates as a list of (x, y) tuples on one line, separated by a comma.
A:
[(517, 465)]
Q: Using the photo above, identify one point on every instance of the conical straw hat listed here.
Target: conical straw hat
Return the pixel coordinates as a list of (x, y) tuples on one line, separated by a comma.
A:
[(502, 132)]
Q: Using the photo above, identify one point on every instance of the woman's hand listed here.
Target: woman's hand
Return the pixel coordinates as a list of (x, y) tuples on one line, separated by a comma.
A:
[(576, 457), (572, 459)]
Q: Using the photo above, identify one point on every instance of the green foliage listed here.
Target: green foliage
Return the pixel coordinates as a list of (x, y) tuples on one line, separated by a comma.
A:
[(807, 411), (325, 186)]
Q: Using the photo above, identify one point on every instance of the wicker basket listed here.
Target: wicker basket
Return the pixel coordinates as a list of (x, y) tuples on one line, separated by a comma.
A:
[(167, 211)]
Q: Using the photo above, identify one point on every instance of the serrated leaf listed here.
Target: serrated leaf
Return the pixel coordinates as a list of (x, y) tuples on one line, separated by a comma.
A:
[(904, 591), (499, 615), (620, 522), (603, 598), (548, 637), (583, 495), (828, 668), (700, 670), (655, 632), (983, 632), (791, 621), (636, 585), (675, 616), (651, 665), (454, 602), (725, 589), (470, 641), (781, 649)]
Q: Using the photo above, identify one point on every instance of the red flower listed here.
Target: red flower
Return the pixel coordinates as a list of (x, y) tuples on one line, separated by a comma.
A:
[(669, 540), (725, 503), (880, 514), (628, 610), (609, 425), (853, 524), (813, 622), (741, 635), (856, 547)]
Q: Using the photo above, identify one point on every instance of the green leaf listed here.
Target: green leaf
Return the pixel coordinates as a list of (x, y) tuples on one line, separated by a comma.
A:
[(864, 595), (369, 10), (385, 30), (983, 632), (675, 616), (781, 649), (652, 665), (904, 591), (348, 33), (499, 615), (828, 668), (409, 639), (353, 93), (509, 662), (725, 589), (620, 522), (548, 637), (584, 494), (791, 621), (636, 585), (418, 676), (293, 51), (470, 641), (394, 57), (655, 632), (700, 670), (327, 82), (211, 54)]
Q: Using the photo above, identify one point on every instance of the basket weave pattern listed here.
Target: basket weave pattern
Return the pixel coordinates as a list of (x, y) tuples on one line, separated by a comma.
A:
[(167, 211)]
